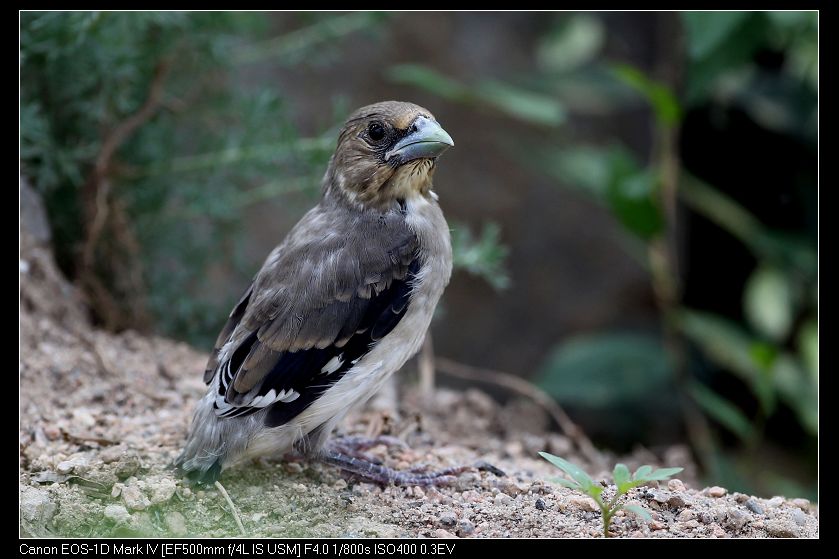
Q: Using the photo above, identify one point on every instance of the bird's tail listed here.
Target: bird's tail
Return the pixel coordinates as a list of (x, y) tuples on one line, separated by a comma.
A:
[(206, 449)]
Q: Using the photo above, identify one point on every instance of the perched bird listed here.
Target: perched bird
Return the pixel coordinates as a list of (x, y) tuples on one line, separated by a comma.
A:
[(337, 307)]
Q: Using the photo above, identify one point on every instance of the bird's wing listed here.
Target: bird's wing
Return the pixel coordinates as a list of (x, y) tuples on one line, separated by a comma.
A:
[(322, 300)]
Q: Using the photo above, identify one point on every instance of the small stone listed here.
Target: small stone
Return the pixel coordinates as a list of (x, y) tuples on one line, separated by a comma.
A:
[(65, 467), (705, 517), (36, 506), (754, 506), (465, 528), (340, 484), (509, 487), (736, 520), (294, 468), (176, 523), (740, 497), (716, 491), (134, 498), (656, 525), (502, 499), (447, 518), (440, 533), (686, 515), (300, 488), (419, 493), (162, 491), (540, 504), (52, 433), (116, 490), (717, 531), (467, 480), (112, 454), (675, 485), (781, 529), (118, 514), (84, 417), (657, 496), (128, 466), (676, 502), (775, 502), (802, 504), (584, 503), (799, 517)]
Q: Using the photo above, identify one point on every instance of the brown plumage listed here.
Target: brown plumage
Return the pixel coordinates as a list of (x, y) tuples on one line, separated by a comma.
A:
[(339, 305)]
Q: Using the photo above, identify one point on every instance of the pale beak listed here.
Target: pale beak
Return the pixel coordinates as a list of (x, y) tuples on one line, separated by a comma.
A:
[(428, 140)]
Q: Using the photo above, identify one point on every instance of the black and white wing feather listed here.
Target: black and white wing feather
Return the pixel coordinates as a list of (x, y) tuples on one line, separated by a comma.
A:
[(321, 301)]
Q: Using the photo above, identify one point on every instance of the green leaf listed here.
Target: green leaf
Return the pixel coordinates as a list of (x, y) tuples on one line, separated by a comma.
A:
[(525, 105), (808, 348), (483, 257), (723, 411), (662, 474), (642, 472), (635, 509), (768, 302), (574, 42), (622, 478), (707, 30), (575, 472), (662, 100), (632, 200), (429, 80), (605, 370), (565, 482)]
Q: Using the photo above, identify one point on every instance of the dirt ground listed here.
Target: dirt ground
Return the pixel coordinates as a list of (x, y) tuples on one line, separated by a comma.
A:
[(102, 417)]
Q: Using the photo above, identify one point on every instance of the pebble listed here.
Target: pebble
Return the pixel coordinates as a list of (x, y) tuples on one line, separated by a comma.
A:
[(717, 531), (656, 525), (294, 468), (584, 503), (134, 498), (162, 491), (300, 488), (509, 487), (35, 505), (419, 493), (676, 485), (781, 529), (736, 520), (799, 517), (705, 517), (128, 466), (440, 533), (540, 504), (118, 514), (740, 497), (176, 523), (447, 518), (465, 528), (657, 496), (775, 502), (802, 504), (340, 484), (686, 515), (676, 502), (754, 506), (502, 499), (716, 491)]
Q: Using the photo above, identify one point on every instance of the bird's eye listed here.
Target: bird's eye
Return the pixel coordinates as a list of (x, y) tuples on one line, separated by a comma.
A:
[(376, 131)]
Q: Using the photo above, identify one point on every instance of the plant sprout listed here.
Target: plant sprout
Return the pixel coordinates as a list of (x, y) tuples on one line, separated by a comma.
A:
[(582, 482)]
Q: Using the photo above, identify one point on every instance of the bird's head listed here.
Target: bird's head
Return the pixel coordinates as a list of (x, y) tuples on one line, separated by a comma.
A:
[(386, 152)]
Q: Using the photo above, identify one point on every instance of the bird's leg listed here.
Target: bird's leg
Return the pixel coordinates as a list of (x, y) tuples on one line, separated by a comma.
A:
[(377, 473)]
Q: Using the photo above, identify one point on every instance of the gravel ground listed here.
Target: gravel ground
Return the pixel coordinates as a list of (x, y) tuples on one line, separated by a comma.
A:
[(102, 417)]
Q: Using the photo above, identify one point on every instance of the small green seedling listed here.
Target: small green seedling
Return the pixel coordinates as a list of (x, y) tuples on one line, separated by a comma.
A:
[(582, 482)]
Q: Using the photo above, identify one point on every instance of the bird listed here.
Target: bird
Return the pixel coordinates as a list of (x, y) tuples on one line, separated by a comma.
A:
[(337, 307)]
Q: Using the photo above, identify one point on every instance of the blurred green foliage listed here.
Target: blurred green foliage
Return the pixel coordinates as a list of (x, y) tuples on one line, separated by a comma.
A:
[(774, 351), (218, 140)]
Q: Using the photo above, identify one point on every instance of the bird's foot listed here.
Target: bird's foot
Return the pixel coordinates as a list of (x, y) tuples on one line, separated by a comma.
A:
[(368, 470), (355, 445)]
